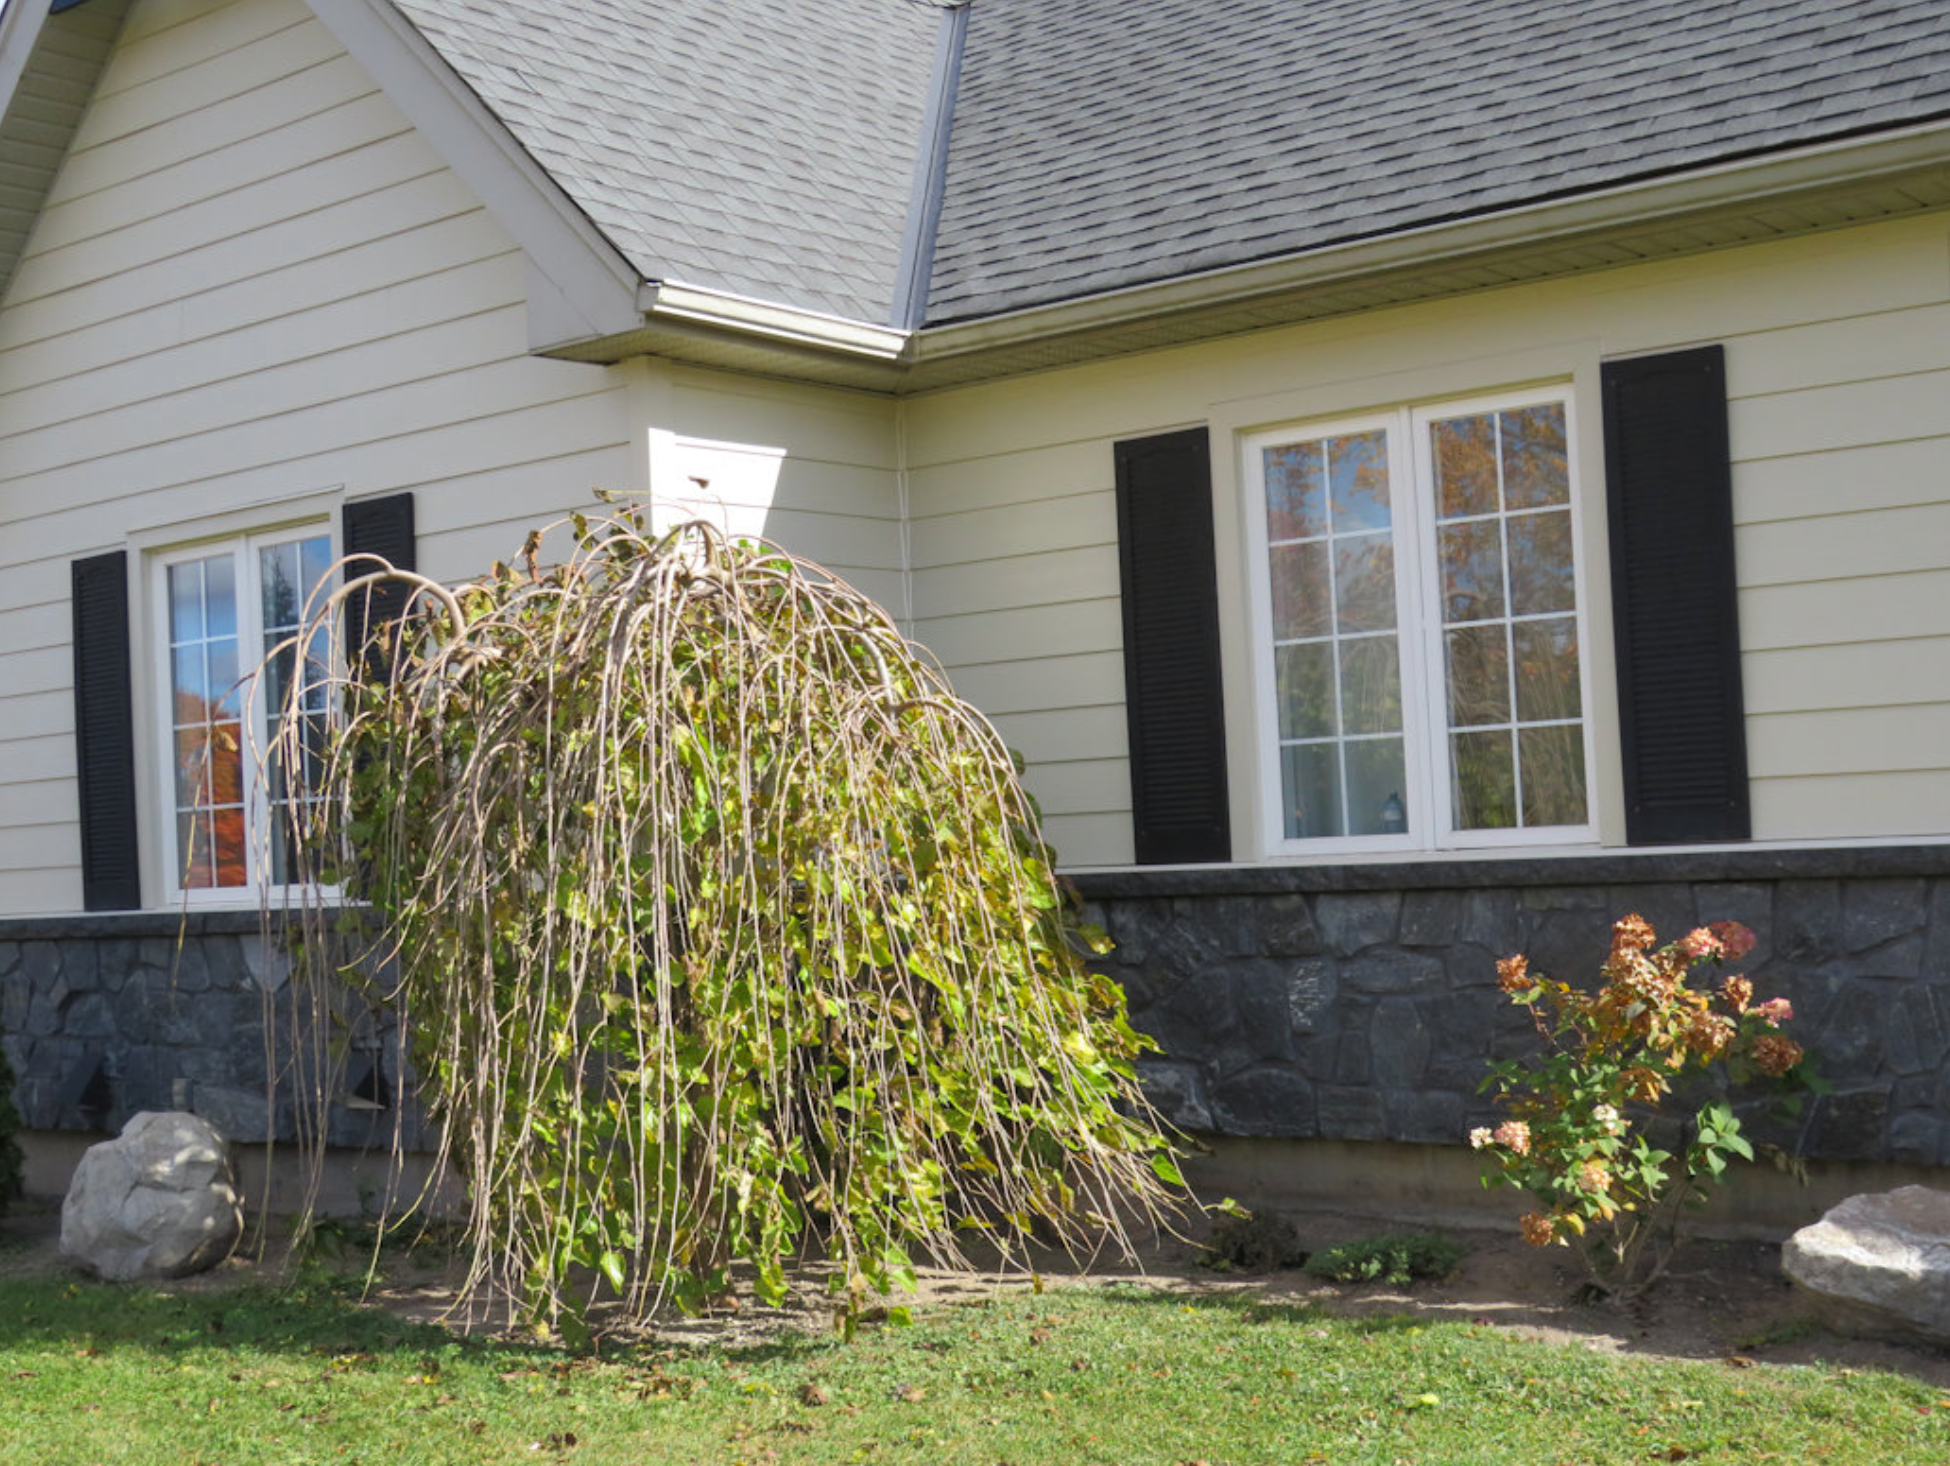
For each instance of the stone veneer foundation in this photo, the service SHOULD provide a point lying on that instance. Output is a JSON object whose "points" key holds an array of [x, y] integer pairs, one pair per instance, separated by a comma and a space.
{"points": [[1342, 1003]]}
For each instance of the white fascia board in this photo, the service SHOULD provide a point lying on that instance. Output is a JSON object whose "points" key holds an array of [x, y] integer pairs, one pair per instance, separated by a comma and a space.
{"points": [[669, 300], [593, 286], [1746, 182]]}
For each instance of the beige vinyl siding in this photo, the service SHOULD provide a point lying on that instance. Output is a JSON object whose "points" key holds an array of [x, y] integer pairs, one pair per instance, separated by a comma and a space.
{"points": [[254, 282], [1838, 350]]}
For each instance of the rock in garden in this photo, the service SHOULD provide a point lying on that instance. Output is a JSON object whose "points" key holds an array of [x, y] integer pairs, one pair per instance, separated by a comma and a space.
{"points": [[159, 1202], [1879, 1264]]}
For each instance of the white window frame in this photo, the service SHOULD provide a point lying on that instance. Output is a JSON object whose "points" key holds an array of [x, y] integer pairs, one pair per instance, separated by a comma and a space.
{"points": [[243, 547], [1419, 632]]}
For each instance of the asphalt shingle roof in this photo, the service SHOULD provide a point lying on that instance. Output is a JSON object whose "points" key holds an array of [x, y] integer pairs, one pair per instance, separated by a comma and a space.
{"points": [[763, 147], [1104, 143]]}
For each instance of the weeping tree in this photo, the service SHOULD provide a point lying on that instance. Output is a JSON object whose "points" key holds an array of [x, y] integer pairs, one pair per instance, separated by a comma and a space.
{"points": [[721, 932]]}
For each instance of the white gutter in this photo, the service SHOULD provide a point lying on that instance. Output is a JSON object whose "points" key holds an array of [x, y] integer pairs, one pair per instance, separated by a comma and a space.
{"points": [[666, 300]]}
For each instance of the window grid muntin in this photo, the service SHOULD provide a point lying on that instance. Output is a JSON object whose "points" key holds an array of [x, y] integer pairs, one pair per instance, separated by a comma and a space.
{"points": [[1503, 516], [1335, 639]]}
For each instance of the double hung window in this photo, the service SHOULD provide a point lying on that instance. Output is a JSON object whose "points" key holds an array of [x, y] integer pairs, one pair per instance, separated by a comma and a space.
{"points": [[219, 610], [1416, 587]]}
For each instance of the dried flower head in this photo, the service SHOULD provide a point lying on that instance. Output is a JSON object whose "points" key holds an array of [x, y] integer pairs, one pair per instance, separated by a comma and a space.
{"points": [[1735, 940], [1513, 973], [1709, 1033], [1514, 1134], [1608, 1119], [1738, 992], [1631, 934], [1537, 1229], [1776, 1010], [1776, 1055], [1700, 942], [1480, 1137], [1594, 1176]]}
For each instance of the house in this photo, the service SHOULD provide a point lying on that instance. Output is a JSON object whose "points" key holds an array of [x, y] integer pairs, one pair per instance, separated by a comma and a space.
{"points": [[1415, 479]]}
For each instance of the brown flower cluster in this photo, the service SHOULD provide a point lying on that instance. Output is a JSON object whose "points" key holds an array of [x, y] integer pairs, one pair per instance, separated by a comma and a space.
{"points": [[1537, 1229], [1738, 992], [1513, 973], [1775, 1055]]}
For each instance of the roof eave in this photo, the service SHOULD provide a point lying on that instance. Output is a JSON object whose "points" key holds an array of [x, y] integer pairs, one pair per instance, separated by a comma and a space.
{"points": [[1096, 324], [1892, 172]]}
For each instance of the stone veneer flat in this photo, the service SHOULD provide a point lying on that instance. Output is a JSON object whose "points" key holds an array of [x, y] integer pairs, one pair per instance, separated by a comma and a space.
{"points": [[1360, 1002]]}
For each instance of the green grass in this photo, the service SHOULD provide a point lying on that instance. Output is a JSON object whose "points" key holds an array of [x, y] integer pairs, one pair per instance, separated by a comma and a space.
{"points": [[91, 1373]]}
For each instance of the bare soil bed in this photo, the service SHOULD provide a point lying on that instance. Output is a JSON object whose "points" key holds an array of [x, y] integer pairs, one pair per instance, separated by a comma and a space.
{"points": [[1724, 1301]]}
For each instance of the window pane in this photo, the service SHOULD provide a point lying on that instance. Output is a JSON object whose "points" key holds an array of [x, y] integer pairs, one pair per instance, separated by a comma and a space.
{"points": [[186, 601], [1296, 499], [1553, 775], [1301, 595], [1540, 563], [1359, 468], [192, 767], [1306, 689], [315, 556], [1483, 782], [1364, 570], [224, 687], [1479, 676], [219, 596], [1465, 466], [1371, 685], [1535, 468], [1376, 804], [1471, 562], [193, 845], [190, 683], [278, 584], [1547, 669], [1312, 784], [227, 828]]}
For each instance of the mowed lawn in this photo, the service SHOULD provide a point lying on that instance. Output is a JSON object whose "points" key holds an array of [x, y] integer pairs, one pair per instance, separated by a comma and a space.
{"points": [[92, 1373]]}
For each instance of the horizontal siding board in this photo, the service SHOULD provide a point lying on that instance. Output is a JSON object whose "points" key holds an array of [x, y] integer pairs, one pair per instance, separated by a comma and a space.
{"points": [[1054, 578], [1843, 806], [1065, 735], [1838, 612], [823, 424], [335, 235], [33, 847], [1025, 631], [1872, 476], [1848, 349], [296, 60], [1845, 546], [1084, 786], [1088, 839], [1070, 522], [1851, 741], [1863, 675], [1842, 415], [243, 370], [1039, 684], [993, 480], [40, 890], [146, 56], [287, 197]]}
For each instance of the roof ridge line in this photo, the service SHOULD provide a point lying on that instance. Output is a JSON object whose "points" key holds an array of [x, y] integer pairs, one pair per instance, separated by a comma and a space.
{"points": [[911, 280]]}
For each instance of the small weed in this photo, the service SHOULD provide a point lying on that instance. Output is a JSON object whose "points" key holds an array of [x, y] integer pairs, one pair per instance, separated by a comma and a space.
{"points": [[1787, 1331], [1256, 1242], [1396, 1257]]}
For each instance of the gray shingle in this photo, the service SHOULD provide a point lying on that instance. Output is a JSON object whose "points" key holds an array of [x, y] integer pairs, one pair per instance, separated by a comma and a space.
{"points": [[762, 148], [1099, 144]]}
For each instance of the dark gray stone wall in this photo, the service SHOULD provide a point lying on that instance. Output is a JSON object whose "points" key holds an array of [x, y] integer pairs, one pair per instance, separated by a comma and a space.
{"points": [[1352, 1003], [1361, 1003], [104, 1016]]}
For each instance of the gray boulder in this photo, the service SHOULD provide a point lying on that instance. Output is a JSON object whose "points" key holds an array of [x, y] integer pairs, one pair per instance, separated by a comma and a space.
{"points": [[1879, 1264], [159, 1202]]}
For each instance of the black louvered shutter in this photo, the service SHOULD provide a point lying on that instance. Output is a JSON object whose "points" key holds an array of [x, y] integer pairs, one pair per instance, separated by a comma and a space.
{"points": [[1172, 683], [1669, 489], [104, 734], [382, 527]]}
